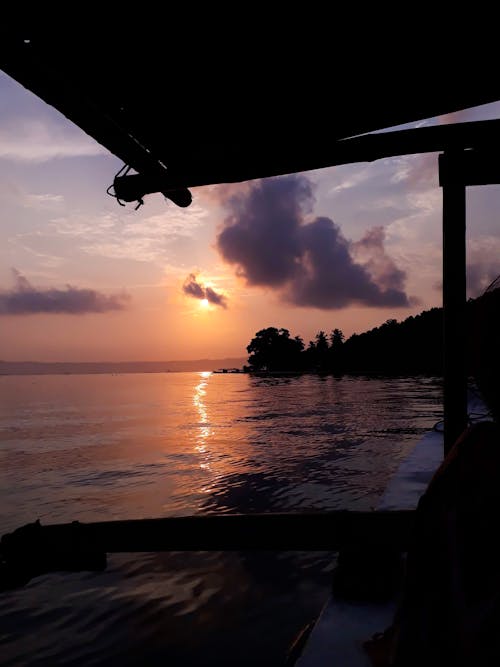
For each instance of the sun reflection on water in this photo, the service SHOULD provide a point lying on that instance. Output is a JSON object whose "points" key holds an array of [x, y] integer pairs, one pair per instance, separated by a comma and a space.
{"points": [[204, 430]]}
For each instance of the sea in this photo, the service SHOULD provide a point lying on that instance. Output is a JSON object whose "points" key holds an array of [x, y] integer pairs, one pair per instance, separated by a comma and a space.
{"points": [[128, 446]]}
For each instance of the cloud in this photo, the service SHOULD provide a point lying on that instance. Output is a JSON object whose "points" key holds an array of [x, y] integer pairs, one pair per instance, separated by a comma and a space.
{"points": [[483, 264], [194, 289], [370, 252], [479, 277], [269, 239], [29, 140], [417, 172], [215, 194], [25, 299], [11, 193], [352, 179], [33, 131], [131, 236], [43, 201]]}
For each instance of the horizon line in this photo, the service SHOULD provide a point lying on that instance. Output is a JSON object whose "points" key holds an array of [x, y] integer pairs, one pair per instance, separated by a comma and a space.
{"points": [[133, 361]]}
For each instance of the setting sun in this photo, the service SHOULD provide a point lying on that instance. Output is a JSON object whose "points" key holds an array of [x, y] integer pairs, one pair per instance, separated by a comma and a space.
{"points": [[204, 303]]}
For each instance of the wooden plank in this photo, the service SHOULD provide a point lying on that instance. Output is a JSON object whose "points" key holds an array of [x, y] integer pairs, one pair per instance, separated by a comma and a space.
{"points": [[479, 167], [299, 156], [315, 531], [34, 549]]}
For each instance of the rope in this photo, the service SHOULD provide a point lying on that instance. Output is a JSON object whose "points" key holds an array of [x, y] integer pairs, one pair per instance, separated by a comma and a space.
{"points": [[124, 170]]}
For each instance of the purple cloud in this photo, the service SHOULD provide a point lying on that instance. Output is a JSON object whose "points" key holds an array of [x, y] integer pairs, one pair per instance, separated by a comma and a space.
{"points": [[25, 299], [193, 288], [267, 237], [371, 252]]}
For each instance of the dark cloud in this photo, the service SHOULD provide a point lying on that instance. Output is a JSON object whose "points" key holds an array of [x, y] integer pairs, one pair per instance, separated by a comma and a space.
{"points": [[266, 236], [261, 234], [217, 299], [24, 299], [193, 288], [370, 251]]}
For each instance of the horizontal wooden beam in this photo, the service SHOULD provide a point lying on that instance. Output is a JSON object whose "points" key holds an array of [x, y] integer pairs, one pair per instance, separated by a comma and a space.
{"points": [[479, 166], [325, 530], [34, 549], [278, 160], [296, 157]]}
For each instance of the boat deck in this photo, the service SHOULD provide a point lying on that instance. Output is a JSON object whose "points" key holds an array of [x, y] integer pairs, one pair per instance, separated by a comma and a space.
{"points": [[337, 637], [342, 627]]}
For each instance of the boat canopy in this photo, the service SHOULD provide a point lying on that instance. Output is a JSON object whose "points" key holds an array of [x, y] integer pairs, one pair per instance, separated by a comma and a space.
{"points": [[185, 106]]}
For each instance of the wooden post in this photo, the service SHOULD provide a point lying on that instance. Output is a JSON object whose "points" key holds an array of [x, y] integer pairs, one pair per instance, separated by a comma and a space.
{"points": [[452, 180]]}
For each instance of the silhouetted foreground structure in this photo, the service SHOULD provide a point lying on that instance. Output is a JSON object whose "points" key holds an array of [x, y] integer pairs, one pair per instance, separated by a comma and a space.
{"points": [[35, 549], [211, 132], [110, 79]]}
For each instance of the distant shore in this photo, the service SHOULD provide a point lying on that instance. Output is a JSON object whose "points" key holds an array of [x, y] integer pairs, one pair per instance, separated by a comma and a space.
{"points": [[95, 367]]}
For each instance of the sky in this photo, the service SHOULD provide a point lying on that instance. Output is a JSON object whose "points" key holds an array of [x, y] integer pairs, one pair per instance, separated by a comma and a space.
{"points": [[83, 279]]}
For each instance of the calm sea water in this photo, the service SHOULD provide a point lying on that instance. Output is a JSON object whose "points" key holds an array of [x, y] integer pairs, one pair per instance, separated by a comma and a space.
{"points": [[97, 447]]}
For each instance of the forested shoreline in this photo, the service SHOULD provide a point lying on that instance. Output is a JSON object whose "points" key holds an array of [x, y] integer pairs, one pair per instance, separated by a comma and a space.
{"points": [[412, 346]]}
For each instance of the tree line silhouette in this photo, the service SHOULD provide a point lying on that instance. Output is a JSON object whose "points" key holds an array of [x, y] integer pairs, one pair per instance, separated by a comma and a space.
{"points": [[412, 346]]}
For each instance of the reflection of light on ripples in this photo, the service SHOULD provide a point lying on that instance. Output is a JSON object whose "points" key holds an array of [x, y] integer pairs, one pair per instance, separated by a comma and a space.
{"points": [[246, 445], [204, 430]]}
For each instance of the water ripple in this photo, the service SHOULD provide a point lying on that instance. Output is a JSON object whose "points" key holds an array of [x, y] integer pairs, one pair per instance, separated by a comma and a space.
{"points": [[102, 447]]}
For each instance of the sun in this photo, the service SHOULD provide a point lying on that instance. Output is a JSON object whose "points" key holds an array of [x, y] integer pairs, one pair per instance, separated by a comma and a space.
{"points": [[204, 303]]}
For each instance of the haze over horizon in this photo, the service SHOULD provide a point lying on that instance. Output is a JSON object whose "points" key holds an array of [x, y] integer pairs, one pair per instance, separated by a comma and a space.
{"points": [[83, 279], [89, 367]]}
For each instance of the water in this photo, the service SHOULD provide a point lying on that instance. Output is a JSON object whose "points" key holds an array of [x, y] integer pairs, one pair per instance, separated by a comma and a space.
{"points": [[97, 447]]}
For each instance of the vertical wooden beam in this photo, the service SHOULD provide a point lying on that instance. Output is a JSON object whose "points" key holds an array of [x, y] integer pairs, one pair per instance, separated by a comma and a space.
{"points": [[451, 179]]}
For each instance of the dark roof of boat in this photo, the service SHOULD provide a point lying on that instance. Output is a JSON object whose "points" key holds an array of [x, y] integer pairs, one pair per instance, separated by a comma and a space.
{"points": [[191, 108]]}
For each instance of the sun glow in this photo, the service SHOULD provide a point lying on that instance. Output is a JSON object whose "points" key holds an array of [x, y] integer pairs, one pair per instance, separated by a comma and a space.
{"points": [[204, 303]]}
